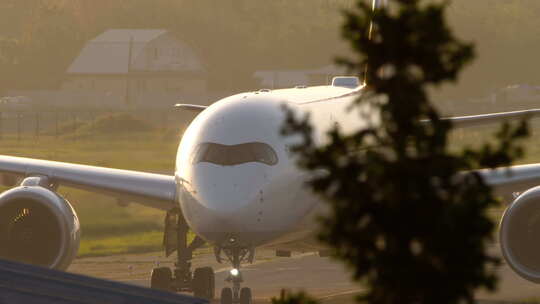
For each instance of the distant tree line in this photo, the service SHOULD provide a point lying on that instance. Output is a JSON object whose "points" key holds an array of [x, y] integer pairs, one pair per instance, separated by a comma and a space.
{"points": [[40, 38]]}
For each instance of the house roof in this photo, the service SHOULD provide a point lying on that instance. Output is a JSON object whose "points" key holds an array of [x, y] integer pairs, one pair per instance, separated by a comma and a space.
{"points": [[108, 53]]}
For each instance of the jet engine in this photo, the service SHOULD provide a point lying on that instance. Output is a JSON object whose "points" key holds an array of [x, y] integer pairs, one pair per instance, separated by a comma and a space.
{"points": [[520, 235], [38, 226]]}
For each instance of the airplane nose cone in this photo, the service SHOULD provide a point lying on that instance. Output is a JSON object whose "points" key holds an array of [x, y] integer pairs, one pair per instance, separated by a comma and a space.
{"points": [[224, 202], [250, 207], [228, 192]]}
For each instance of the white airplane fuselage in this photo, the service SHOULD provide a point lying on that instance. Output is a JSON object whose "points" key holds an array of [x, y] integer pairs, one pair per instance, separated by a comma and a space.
{"points": [[236, 178]]}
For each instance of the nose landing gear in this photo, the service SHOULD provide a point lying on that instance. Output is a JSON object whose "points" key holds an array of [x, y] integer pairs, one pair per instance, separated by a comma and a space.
{"points": [[236, 294], [201, 282]]}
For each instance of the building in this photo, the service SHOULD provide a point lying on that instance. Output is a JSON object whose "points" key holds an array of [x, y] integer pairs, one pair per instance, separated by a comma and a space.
{"points": [[140, 67], [517, 93], [276, 79]]}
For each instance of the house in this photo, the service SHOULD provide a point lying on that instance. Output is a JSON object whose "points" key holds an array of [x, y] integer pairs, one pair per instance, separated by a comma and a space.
{"points": [[275, 79], [517, 93], [135, 67]]}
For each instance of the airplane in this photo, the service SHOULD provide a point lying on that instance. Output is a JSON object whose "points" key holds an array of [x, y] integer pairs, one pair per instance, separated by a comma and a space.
{"points": [[236, 186]]}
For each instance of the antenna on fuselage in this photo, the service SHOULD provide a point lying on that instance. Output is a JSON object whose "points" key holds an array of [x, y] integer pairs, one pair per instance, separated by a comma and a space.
{"points": [[375, 4]]}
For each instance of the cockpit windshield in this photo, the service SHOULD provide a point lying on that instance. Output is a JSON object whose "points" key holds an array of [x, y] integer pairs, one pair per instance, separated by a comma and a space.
{"points": [[226, 155]]}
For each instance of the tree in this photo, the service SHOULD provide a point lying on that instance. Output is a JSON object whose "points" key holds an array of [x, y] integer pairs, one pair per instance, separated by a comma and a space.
{"points": [[408, 215], [293, 298]]}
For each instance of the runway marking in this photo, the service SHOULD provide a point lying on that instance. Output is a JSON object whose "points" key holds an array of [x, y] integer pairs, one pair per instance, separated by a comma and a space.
{"points": [[343, 293], [227, 269], [298, 256]]}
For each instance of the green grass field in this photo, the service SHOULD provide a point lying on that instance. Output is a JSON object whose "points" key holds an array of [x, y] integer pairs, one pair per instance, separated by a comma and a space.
{"points": [[474, 137], [108, 228]]}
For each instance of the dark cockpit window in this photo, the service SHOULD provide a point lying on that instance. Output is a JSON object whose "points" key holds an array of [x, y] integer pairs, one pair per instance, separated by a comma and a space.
{"points": [[225, 155]]}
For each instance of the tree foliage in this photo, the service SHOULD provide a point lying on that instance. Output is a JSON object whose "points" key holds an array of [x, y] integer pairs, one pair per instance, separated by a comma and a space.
{"points": [[407, 215], [287, 297]]}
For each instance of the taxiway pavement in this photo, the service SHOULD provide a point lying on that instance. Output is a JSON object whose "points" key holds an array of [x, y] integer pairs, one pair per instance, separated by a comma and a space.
{"points": [[321, 277]]}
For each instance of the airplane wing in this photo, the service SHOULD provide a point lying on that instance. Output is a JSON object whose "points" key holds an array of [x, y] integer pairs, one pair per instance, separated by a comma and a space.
{"points": [[482, 119], [153, 190], [506, 182], [159, 191], [190, 107], [509, 182]]}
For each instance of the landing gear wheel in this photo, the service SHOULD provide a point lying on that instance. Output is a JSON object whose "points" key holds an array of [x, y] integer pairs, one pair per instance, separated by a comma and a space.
{"points": [[226, 296], [245, 295], [161, 278], [204, 283]]}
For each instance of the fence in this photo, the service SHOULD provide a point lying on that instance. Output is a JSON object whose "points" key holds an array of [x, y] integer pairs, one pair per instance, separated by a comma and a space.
{"points": [[24, 125], [35, 124]]}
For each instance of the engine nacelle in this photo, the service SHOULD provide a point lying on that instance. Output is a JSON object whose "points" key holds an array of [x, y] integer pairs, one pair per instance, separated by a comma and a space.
{"points": [[520, 235], [38, 226]]}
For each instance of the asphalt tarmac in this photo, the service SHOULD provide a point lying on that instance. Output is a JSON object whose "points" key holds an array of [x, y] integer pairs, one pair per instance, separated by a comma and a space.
{"points": [[322, 278]]}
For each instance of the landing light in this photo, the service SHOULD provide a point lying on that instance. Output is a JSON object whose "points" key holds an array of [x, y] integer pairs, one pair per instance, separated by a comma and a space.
{"points": [[234, 272]]}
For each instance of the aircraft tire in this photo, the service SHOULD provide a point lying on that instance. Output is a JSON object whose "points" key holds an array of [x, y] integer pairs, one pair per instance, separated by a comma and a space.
{"points": [[204, 283], [245, 295], [161, 278], [226, 296]]}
